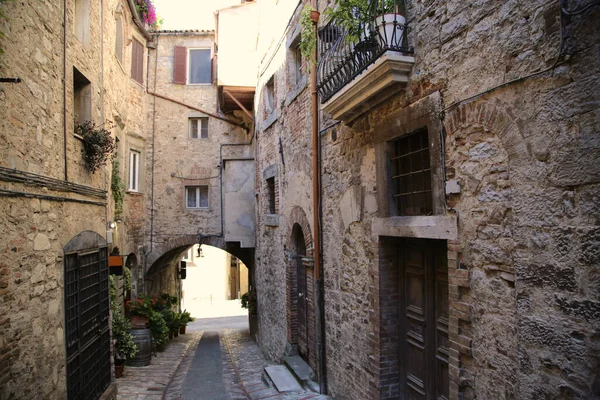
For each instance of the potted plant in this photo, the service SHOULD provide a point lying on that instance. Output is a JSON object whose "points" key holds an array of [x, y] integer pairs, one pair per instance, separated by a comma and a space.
{"points": [[159, 330], [140, 311], [184, 319], [98, 144], [123, 340], [124, 345], [357, 16]]}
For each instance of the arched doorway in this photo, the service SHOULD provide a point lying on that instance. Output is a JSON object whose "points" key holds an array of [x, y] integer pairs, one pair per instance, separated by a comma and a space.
{"points": [[299, 292], [86, 316]]}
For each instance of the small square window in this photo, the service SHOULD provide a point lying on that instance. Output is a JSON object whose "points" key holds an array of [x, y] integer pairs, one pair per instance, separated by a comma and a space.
{"points": [[186, 255], [198, 128], [411, 174], [200, 66], [196, 196], [271, 196], [82, 97], [134, 171], [270, 95]]}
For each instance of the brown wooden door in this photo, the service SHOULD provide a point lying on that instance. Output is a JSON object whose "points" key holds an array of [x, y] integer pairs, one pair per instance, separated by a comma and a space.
{"points": [[424, 320], [302, 310]]}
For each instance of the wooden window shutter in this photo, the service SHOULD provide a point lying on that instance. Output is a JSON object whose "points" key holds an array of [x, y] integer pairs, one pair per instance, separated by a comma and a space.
{"points": [[180, 65], [134, 58], [140, 63]]}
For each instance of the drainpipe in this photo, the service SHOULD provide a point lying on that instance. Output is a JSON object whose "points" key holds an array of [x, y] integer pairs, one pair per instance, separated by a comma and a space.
{"points": [[65, 87], [320, 313]]}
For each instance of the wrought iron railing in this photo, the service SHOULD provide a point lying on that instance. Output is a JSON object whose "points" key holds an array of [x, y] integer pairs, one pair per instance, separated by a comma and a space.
{"points": [[350, 44]]}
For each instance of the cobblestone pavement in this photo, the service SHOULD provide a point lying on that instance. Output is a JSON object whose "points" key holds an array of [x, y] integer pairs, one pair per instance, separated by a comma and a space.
{"points": [[242, 372]]}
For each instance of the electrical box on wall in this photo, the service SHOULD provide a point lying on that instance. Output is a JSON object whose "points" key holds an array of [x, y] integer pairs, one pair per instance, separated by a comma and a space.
{"points": [[453, 186], [109, 239]]}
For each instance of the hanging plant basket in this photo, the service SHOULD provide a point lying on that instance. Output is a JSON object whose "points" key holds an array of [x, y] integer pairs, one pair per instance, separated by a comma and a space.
{"points": [[98, 144]]}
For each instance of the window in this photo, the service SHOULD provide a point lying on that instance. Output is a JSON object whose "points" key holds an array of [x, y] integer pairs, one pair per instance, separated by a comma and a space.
{"points": [[137, 61], [119, 40], [82, 97], [196, 196], [81, 27], [198, 128], [186, 255], [297, 63], [270, 95], [134, 171], [411, 174], [200, 66], [271, 196]]}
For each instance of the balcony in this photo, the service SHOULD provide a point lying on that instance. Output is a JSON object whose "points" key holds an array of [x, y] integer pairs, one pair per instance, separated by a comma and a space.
{"points": [[363, 63]]}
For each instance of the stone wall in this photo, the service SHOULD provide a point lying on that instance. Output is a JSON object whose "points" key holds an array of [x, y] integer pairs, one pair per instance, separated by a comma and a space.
{"points": [[521, 236], [48, 196], [283, 153]]}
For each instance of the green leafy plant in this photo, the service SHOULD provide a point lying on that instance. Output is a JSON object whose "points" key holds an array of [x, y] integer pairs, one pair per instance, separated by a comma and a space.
{"points": [[117, 187], [353, 15], [125, 347], [142, 306], [185, 318], [98, 144], [127, 278], [248, 301], [159, 330], [308, 37]]}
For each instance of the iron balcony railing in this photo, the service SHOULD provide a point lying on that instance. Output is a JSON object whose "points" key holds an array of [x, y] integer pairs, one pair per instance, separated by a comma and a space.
{"points": [[349, 45]]}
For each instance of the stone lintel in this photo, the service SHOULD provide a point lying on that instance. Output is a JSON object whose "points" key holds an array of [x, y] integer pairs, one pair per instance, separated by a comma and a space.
{"points": [[371, 87], [425, 227]]}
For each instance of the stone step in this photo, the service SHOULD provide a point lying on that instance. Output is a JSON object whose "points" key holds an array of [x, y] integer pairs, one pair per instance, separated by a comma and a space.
{"points": [[299, 368], [282, 378]]}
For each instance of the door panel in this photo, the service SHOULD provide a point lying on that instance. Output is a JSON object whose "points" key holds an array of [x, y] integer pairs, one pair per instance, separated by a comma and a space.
{"points": [[86, 314], [423, 319], [302, 314]]}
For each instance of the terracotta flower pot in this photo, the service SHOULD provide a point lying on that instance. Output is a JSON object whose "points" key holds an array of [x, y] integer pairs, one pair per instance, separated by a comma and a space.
{"points": [[139, 322], [314, 16], [182, 329], [119, 368]]}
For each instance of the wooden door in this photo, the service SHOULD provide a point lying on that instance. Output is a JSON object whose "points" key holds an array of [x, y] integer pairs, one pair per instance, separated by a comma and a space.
{"points": [[302, 309], [423, 319]]}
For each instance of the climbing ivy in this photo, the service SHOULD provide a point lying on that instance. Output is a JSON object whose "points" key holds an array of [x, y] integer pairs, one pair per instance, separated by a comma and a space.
{"points": [[117, 188]]}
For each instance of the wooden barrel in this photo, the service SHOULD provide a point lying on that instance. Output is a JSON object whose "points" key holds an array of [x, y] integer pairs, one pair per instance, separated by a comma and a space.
{"points": [[143, 340]]}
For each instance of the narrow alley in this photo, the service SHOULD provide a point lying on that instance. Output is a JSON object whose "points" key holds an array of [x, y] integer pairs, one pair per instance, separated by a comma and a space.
{"points": [[215, 360]]}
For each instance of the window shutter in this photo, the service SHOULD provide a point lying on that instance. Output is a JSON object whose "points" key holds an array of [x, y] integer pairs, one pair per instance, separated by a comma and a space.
{"points": [[180, 65], [134, 58], [140, 63]]}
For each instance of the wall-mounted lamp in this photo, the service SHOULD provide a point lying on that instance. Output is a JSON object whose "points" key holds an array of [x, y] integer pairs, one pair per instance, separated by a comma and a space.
{"points": [[111, 225], [200, 252]]}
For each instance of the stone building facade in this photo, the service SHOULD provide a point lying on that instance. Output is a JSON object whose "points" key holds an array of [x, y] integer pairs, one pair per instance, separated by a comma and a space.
{"points": [[488, 289], [200, 161]]}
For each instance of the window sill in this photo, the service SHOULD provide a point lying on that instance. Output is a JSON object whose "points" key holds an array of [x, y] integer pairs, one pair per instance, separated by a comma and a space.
{"points": [[425, 227], [272, 220], [295, 92], [141, 85], [134, 193], [270, 119], [197, 209]]}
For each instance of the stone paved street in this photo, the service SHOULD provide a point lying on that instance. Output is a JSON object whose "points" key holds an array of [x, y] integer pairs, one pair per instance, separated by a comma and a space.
{"points": [[215, 360]]}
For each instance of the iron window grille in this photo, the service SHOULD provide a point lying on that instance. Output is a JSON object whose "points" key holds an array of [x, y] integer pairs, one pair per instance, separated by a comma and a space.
{"points": [[196, 196], [198, 128], [347, 51], [271, 195], [411, 174]]}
